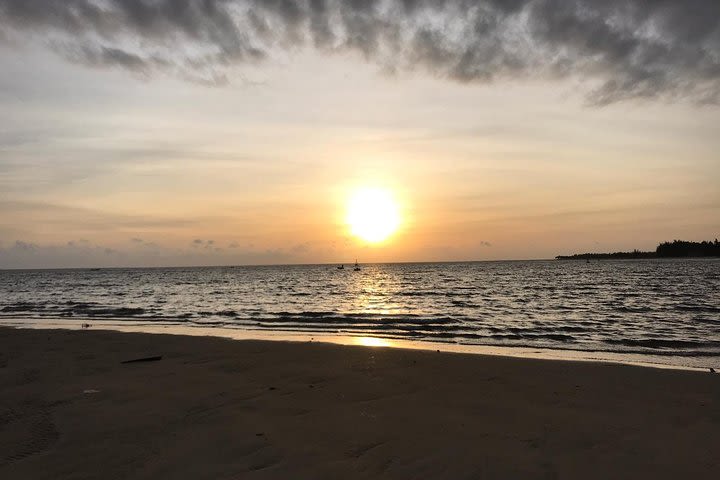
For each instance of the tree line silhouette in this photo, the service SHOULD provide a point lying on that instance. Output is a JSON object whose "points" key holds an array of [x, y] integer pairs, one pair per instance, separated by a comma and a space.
{"points": [[674, 249]]}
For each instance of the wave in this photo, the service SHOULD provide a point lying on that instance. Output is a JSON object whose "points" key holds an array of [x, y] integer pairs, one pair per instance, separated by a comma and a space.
{"points": [[22, 307], [697, 308], [650, 308], [628, 309], [662, 343]]}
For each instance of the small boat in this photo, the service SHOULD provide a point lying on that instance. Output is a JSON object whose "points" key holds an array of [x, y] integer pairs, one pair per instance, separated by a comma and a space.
{"points": [[341, 267], [357, 267]]}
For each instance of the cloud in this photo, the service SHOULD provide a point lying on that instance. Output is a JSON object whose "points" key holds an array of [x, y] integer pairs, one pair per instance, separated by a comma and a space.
{"points": [[618, 49], [106, 57], [61, 216], [25, 254], [24, 246], [82, 254], [145, 244], [206, 244], [301, 248]]}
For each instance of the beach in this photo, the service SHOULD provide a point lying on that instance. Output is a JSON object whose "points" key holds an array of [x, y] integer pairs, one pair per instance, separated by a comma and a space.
{"points": [[224, 409]]}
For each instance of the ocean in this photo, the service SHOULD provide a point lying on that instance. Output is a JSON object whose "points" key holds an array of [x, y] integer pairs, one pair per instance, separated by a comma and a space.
{"points": [[667, 311]]}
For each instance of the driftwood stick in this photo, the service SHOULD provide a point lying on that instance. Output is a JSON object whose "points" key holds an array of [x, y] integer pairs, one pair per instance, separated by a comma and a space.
{"points": [[144, 359]]}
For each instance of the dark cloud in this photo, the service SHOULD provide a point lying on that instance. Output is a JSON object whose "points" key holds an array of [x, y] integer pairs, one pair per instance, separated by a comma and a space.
{"points": [[619, 49]]}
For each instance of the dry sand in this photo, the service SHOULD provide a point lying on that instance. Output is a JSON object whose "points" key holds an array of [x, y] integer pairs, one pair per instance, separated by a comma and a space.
{"points": [[223, 409]]}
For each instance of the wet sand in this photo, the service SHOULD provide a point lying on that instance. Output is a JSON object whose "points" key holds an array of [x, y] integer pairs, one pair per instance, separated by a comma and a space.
{"points": [[222, 409]]}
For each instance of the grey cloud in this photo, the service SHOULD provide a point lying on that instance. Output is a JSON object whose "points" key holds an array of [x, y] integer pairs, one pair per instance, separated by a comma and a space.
{"points": [[22, 254], [206, 244], [100, 57], [25, 254], [618, 49], [24, 246]]}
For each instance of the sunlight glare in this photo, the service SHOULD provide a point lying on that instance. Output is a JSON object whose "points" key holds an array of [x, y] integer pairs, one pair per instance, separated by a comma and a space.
{"points": [[373, 214], [373, 342]]}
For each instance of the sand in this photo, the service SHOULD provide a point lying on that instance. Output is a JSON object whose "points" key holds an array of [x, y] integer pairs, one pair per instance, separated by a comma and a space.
{"points": [[222, 409]]}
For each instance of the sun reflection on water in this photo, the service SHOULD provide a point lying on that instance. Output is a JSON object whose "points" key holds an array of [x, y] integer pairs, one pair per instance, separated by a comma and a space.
{"points": [[374, 294], [372, 342]]}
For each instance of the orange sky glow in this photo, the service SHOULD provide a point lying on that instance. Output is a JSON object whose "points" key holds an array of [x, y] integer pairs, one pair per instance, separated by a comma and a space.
{"points": [[113, 164]]}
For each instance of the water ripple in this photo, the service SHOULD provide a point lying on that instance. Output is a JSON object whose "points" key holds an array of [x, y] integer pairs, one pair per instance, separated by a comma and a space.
{"points": [[666, 307]]}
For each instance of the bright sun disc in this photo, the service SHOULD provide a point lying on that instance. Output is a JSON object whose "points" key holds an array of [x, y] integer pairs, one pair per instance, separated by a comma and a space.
{"points": [[372, 214]]}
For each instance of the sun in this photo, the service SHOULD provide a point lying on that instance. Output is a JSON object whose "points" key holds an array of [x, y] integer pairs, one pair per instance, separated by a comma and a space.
{"points": [[372, 214]]}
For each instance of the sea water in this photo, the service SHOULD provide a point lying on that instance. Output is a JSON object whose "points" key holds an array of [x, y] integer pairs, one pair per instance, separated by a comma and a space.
{"points": [[667, 309]]}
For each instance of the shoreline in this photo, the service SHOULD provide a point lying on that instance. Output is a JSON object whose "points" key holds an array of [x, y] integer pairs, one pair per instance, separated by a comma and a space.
{"points": [[214, 408], [241, 334]]}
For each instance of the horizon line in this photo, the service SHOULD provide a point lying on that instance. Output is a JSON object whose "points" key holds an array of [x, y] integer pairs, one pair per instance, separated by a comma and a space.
{"points": [[330, 264]]}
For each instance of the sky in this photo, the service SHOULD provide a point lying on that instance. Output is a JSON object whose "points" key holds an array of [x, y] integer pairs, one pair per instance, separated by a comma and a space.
{"points": [[221, 132]]}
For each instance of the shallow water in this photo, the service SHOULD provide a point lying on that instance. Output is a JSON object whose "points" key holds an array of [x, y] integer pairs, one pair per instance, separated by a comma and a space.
{"points": [[663, 308]]}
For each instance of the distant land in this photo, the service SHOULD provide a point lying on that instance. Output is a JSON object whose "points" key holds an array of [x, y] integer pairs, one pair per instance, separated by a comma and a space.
{"points": [[674, 249]]}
